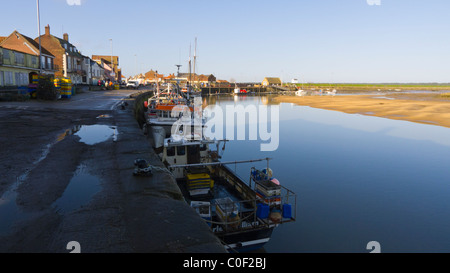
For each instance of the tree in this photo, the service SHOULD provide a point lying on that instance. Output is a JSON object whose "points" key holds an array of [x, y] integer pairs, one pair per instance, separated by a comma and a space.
{"points": [[46, 88]]}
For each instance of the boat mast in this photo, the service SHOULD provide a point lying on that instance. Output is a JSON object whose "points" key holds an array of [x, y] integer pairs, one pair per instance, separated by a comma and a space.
{"points": [[157, 83], [190, 76], [195, 55]]}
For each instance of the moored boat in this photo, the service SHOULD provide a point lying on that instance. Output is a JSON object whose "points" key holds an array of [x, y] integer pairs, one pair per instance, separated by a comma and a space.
{"points": [[167, 108], [241, 214]]}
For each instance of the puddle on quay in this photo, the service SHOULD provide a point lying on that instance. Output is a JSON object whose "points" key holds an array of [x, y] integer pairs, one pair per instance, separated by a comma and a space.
{"points": [[82, 187], [91, 134], [94, 134], [9, 210]]}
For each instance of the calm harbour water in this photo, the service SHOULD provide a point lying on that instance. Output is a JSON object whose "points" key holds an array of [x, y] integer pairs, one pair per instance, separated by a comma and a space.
{"points": [[358, 179]]}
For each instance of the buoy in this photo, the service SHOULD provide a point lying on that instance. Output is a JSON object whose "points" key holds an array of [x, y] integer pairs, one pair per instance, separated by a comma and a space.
{"points": [[275, 216], [275, 181]]}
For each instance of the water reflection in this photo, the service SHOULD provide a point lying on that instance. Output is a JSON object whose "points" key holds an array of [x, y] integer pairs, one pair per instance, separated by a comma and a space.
{"points": [[91, 134], [9, 210], [80, 190], [358, 179]]}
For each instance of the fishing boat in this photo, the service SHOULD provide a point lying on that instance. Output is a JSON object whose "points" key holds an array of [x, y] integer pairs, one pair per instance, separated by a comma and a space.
{"points": [[300, 92], [165, 109], [242, 214], [171, 105], [162, 111], [332, 92]]}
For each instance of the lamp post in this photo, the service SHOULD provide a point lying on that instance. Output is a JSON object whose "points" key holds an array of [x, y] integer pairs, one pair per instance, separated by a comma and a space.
{"points": [[135, 64], [112, 64], [39, 35], [157, 83]]}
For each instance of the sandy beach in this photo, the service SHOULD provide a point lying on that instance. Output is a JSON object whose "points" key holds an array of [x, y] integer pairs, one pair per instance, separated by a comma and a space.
{"points": [[427, 108]]}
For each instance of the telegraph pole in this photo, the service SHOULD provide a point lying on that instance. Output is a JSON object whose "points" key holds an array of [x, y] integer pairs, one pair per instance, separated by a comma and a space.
{"points": [[39, 35]]}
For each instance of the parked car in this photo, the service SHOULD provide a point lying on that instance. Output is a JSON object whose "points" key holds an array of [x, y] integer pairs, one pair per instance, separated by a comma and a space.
{"points": [[133, 84]]}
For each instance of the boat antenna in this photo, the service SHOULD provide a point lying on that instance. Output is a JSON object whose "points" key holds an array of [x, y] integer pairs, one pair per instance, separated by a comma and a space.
{"points": [[178, 72], [178, 78]]}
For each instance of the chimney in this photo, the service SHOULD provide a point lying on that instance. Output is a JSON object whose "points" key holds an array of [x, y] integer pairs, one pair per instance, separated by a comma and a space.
{"points": [[66, 37], [47, 30]]}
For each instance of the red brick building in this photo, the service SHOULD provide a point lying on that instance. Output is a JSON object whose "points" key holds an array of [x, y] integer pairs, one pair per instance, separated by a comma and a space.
{"points": [[67, 57]]}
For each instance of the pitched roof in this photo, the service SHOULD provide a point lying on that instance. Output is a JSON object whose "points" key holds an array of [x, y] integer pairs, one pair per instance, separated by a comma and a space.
{"points": [[273, 80], [69, 45], [28, 46]]}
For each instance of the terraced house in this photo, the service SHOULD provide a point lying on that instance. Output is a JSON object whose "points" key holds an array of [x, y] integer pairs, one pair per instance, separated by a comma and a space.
{"points": [[19, 60], [67, 57]]}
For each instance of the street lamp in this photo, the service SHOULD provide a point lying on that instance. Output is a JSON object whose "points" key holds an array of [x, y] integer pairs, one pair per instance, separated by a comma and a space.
{"points": [[135, 64], [112, 64]]}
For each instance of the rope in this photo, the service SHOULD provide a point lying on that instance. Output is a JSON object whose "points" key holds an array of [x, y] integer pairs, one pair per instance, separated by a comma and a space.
{"points": [[152, 169], [160, 169]]}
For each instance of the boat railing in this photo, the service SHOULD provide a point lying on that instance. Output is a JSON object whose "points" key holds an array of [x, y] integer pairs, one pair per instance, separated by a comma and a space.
{"points": [[250, 216]]}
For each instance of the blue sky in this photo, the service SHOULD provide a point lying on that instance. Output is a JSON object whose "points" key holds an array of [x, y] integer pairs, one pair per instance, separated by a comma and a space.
{"points": [[247, 40]]}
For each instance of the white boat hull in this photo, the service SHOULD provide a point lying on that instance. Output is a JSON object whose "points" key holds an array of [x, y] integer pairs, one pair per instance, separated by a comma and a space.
{"points": [[159, 134]]}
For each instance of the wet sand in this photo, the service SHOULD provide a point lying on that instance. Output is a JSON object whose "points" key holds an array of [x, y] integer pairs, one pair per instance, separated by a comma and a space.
{"points": [[427, 108]]}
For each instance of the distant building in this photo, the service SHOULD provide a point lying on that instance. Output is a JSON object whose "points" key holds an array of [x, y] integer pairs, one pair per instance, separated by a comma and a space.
{"points": [[294, 81], [116, 71], [195, 78], [170, 78], [96, 72], [19, 60], [153, 76], [271, 81]]}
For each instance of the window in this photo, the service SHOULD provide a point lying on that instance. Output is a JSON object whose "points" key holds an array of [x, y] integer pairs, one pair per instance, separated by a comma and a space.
{"points": [[171, 151], [6, 54], [21, 79], [1, 78], [19, 58], [181, 150], [8, 78], [34, 60]]}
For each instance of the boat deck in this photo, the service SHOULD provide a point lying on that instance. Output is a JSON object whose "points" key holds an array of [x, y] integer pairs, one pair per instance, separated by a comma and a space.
{"points": [[220, 190]]}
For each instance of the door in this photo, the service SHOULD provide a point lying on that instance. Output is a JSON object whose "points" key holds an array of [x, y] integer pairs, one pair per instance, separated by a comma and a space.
{"points": [[193, 155]]}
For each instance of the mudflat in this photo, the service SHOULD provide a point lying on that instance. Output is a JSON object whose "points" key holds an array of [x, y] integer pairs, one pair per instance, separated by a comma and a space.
{"points": [[427, 108]]}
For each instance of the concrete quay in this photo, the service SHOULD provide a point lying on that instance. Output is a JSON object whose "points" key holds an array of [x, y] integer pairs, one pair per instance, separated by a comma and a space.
{"points": [[46, 155]]}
